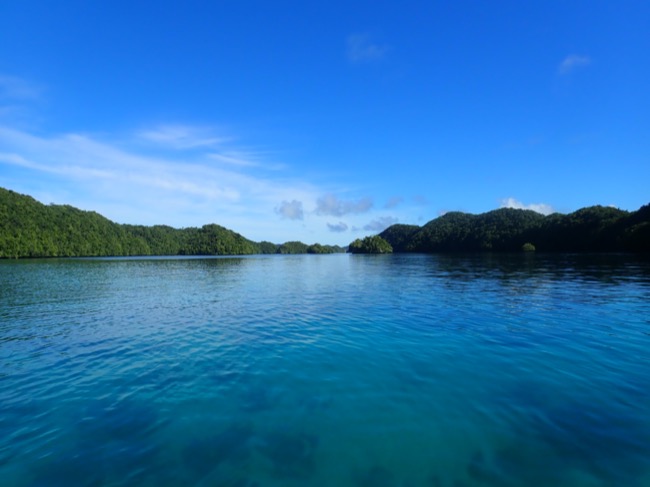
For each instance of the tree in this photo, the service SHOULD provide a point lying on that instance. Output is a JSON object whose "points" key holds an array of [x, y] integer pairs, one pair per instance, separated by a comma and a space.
{"points": [[266, 247], [293, 247], [370, 245], [399, 236]]}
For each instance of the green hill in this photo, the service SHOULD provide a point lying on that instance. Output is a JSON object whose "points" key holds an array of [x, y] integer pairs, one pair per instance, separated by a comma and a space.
{"points": [[592, 229], [29, 228]]}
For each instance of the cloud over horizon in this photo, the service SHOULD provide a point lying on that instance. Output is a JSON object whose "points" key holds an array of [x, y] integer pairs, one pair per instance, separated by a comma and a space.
{"points": [[129, 184], [337, 227], [330, 205], [542, 208], [291, 210], [380, 224], [188, 177]]}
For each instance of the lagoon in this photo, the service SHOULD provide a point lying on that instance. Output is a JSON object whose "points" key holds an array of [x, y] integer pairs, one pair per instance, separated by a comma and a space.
{"points": [[332, 370]]}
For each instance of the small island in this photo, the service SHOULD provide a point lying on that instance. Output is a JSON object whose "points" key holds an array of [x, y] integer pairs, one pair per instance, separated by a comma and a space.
{"points": [[370, 245]]}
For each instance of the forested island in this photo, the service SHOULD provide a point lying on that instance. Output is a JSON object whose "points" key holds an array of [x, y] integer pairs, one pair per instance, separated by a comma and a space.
{"points": [[29, 228], [592, 229]]}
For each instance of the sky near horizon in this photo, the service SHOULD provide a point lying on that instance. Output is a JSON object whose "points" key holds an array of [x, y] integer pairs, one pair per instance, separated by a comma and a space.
{"points": [[324, 121]]}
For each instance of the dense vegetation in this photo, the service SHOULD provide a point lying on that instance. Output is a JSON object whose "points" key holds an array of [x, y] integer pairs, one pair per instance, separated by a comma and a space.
{"points": [[370, 245], [592, 229], [31, 229]]}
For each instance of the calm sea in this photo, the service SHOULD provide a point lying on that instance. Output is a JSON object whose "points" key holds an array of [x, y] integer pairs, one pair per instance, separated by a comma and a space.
{"points": [[336, 370]]}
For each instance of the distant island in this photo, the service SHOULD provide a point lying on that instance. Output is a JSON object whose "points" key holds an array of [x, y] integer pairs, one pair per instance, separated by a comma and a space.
{"points": [[29, 228], [592, 229]]}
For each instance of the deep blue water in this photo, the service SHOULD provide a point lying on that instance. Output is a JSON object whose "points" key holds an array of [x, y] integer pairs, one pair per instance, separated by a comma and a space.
{"points": [[336, 370]]}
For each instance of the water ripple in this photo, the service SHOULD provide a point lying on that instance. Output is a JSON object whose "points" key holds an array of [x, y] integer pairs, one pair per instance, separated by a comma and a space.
{"points": [[418, 370]]}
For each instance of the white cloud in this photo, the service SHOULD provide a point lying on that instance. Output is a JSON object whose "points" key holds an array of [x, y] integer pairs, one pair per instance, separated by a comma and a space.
{"points": [[542, 208], [360, 48], [182, 136], [128, 185], [234, 159], [131, 182], [291, 210], [573, 62], [245, 159], [337, 227], [331, 205], [380, 224], [82, 158]]}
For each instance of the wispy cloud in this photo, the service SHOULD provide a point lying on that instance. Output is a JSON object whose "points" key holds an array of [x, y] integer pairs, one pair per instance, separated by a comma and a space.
{"points": [[291, 210], [81, 157], [573, 62], [333, 206], [244, 159], [234, 159], [361, 48], [380, 224], [131, 182], [339, 227], [393, 202], [542, 208], [131, 186], [182, 136], [15, 88]]}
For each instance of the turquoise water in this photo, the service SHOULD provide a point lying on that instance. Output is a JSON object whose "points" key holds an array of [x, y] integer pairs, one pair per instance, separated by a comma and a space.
{"points": [[336, 370]]}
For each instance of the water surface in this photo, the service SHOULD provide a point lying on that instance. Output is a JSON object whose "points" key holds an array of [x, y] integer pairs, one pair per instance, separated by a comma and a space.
{"points": [[402, 370]]}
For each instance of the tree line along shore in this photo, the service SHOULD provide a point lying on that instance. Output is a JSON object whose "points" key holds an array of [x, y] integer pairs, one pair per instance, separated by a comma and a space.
{"points": [[29, 228], [591, 229]]}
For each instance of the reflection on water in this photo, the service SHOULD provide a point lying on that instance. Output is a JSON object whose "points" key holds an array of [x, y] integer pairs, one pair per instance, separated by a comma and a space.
{"points": [[402, 370]]}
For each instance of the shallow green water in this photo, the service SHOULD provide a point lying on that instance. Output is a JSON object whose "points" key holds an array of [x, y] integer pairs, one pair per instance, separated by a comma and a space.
{"points": [[411, 370]]}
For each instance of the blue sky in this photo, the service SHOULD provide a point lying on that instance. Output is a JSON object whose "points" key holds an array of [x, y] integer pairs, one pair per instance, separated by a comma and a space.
{"points": [[324, 121]]}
